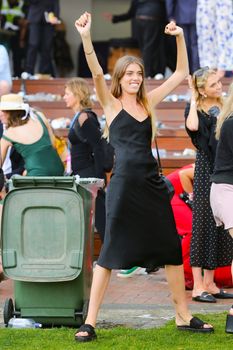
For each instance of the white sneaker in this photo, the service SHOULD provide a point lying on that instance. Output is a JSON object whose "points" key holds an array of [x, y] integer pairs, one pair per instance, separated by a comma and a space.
{"points": [[159, 76], [133, 271]]}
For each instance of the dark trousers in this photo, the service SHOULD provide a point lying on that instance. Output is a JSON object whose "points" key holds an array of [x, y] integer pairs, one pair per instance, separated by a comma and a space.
{"points": [[18, 55], [150, 40], [40, 40], [190, 35]]}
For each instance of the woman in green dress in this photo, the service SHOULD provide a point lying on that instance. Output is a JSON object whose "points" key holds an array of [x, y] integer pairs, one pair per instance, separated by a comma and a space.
{"points": [[31, 135]]}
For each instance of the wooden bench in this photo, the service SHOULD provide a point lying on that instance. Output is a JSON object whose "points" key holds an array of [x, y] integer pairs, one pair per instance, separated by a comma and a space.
{"points": [[57, 85], [166, 112]]}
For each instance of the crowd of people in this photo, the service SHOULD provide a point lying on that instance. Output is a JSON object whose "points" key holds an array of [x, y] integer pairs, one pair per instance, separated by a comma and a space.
{"points": [[136, 192], [207, 26], [31, 32]]}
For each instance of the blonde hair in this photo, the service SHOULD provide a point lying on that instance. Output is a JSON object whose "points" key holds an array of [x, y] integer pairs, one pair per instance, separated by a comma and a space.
{"points": [[119, 71], [80, 89], [226, 111], [199, 79]]}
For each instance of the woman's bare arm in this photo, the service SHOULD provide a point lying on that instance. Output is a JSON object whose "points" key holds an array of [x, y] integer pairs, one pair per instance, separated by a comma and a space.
{"points": [[83, 26], [192, 121], [186, 178], [182, 69]]}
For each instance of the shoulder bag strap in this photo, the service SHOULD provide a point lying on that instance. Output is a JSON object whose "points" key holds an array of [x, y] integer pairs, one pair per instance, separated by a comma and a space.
{"points": [[158, 158]]}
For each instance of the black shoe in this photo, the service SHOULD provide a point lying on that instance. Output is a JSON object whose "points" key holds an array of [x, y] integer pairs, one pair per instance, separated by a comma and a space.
{"points": [[205, 297], [223, 295], [91, 335], [152, 269]]}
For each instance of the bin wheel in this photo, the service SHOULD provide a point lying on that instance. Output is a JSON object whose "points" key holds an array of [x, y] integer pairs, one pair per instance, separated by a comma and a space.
{"points": [[8, 311], [85, 309]]}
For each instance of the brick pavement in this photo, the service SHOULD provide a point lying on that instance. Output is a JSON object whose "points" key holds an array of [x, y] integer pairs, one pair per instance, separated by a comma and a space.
{"points": [[141, 301]]}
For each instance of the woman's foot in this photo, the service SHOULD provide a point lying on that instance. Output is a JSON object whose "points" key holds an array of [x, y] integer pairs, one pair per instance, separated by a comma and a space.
{"points": [[218, 293], [211, 288], [85, 333], [195, 325], [202, 295]]}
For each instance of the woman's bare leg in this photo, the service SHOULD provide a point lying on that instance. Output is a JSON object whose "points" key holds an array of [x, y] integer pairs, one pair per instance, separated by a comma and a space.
{"points": [[209, 283], [101, 277], [198, 285], [175, 278]]}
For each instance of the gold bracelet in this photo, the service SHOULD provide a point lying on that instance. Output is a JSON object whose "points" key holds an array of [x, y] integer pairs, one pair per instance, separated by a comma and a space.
{"points": [[89, 53]]}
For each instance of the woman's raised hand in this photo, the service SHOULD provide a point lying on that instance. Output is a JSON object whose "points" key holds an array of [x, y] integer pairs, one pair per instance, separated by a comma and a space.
{"points": [[83, 24], [172, 29]]}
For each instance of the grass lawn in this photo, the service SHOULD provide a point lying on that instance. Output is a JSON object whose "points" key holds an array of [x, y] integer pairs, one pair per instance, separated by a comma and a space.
{"points": [[164, 338]]}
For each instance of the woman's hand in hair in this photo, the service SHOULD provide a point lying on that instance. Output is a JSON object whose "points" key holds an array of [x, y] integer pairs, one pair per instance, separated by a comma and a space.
{"points": [[83, 24], [172, 29], [192, 88]]}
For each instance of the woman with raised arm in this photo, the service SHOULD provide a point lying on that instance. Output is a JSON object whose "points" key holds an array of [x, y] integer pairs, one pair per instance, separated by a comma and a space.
{"points": [[140, 227], [210, 247]]}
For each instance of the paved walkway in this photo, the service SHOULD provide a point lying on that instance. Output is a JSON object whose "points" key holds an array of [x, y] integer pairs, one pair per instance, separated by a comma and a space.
{"points": [[141, 301]]}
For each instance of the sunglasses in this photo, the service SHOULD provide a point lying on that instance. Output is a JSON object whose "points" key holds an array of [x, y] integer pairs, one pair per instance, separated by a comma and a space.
{"points": [[200, 72]]}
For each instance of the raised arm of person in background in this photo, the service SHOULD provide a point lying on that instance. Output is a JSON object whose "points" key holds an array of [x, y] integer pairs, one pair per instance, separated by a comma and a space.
{"points": [[182, 68], [192, 121]]}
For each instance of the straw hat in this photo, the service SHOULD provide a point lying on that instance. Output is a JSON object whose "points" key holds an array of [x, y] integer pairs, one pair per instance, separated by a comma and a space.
{"points": [[12, 102]]}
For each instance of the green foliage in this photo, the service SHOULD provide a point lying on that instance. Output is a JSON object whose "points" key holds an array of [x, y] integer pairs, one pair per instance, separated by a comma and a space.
{"points": [[164, 338]]}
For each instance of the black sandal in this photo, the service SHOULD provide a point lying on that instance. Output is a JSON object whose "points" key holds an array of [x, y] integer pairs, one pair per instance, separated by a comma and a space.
{"points": [[91, 335], [229, 323], [196, 325]]}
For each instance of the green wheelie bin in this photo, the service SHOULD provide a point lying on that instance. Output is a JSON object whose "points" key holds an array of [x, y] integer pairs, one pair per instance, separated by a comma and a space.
{"points": [[47, 248]]}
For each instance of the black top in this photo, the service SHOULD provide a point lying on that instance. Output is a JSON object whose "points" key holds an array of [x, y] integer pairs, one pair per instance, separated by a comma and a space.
{"points": [[86, 150], [204, 138], [223, 171], [140, 226]]}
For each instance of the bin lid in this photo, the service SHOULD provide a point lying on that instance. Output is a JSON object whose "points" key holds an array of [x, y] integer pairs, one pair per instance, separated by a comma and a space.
{"points": [[42, 234]]}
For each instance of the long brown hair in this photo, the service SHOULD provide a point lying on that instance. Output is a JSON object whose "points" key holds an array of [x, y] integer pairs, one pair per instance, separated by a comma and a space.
{"points": [[80, 89], [118, 72], [15, 118], [226, 111]]}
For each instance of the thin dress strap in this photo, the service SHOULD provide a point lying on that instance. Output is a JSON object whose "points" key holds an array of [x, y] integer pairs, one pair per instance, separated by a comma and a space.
{"points": [[121, 104], [7, 139]]}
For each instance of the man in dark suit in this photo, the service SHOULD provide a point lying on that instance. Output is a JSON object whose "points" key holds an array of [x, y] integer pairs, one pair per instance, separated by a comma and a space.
{"points": [[183, 12], [149, 19], [41, 32]]}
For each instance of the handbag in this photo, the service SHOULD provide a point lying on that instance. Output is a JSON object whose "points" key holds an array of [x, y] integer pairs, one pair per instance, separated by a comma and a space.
{"points": [[169, 185]]}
